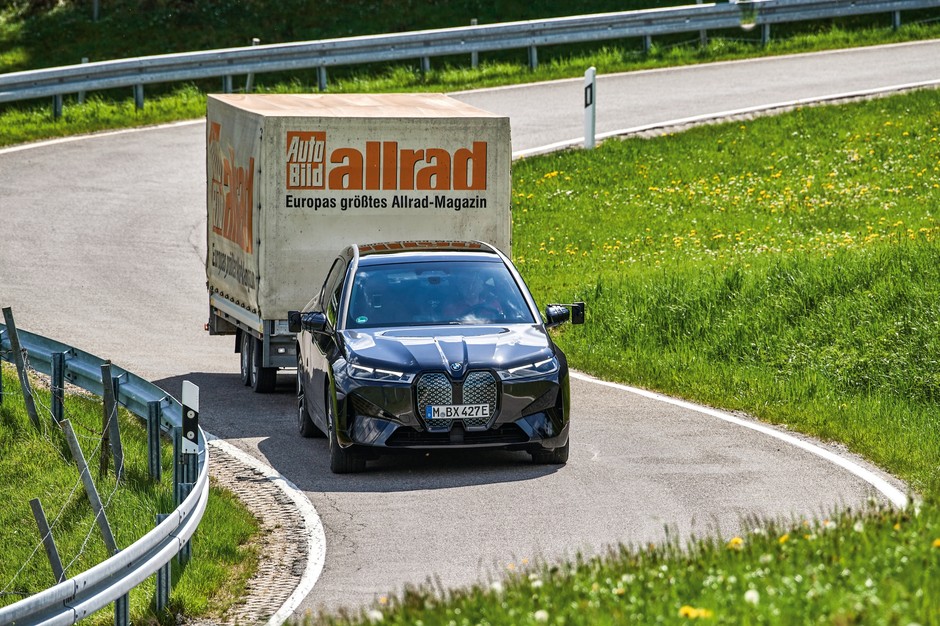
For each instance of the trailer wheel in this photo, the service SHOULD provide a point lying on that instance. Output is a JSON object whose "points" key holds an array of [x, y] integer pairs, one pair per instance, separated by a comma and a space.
{"points": [[262, 378], [247, 344]]}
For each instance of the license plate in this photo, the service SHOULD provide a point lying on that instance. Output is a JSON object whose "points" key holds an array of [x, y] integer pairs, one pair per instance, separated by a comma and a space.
{"points": [[456, 411]]}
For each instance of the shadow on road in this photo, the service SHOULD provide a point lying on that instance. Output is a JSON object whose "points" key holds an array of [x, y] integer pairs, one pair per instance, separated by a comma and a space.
{"points": [[229, 410]]}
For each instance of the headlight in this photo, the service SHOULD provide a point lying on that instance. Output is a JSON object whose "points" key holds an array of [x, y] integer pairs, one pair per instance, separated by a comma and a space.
{"points": [[375, 374], [541, 368]]}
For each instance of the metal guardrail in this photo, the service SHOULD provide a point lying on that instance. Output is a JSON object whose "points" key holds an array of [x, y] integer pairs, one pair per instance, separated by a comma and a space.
{"points": [[95, 588], [426, 44]]}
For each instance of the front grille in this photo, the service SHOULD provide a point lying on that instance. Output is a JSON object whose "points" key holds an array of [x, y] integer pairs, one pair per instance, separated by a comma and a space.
{"points": [[479, 388], [437, 389], [434, 389]]}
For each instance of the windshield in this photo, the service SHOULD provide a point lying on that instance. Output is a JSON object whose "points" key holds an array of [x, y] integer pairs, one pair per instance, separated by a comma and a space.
{"points": [[436, 292]]}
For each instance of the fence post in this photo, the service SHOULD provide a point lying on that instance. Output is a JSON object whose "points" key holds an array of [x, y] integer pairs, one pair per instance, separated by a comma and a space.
{"points": [[250, 79], [109, 386], [58, 386], [21, 367], [101, 517], [533, 58], [474, 56], [154, 459], [590, 108], [47, 540]]}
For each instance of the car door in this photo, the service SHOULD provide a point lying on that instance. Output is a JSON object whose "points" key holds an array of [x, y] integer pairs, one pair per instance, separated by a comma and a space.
{"points": [[323, 347]]}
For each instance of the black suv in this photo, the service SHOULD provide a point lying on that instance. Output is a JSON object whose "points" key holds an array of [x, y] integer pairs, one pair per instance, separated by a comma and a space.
{"points": [[430, 345]]}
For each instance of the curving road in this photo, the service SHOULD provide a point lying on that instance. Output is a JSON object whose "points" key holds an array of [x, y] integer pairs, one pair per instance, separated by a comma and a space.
{"points": [[103, 247]]}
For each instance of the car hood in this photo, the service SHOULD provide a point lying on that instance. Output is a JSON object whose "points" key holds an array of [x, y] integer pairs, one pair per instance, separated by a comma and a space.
{"points": [[452, 349]]}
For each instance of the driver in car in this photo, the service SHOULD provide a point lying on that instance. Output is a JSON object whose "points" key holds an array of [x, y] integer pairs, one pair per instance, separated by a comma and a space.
{"points": [[475, 300]]}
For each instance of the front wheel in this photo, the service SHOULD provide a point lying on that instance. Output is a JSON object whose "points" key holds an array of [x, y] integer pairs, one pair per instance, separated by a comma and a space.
{"points": [[306, 426], [342, 460], [557, 456]]}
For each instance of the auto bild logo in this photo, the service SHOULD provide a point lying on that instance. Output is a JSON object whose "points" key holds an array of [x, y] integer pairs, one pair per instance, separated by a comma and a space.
{"points": [[231, 189], [314, 164]]}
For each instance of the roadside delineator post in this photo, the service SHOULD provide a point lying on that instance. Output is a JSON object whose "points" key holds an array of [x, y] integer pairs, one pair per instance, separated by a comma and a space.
{"points": [[590, 109]]}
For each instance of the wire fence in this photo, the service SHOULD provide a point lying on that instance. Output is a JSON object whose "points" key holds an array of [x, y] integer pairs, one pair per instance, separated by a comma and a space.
{"points": [[93, 586]]}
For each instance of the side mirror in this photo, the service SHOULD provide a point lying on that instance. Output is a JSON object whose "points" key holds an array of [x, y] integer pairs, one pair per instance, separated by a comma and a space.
{"points": [[557, 314], [313, 322]]}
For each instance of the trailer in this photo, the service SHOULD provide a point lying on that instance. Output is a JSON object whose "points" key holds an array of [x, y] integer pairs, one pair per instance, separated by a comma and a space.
{"points": [[292, 178]]}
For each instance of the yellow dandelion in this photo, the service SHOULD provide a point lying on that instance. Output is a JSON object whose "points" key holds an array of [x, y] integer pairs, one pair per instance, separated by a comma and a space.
{"points": [[784, 538], [936, 543], [736, 543]]}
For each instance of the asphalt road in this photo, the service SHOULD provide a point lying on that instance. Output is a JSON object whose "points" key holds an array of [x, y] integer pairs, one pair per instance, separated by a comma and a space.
{"points": [[103, 247]]}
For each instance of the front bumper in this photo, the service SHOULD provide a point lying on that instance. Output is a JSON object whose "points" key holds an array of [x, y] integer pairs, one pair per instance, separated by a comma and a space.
{"points": [[528, 415]]}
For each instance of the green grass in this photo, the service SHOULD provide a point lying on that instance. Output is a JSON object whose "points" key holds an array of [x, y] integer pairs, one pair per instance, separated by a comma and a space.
{"points": [[64, 35], [37, 464], [788, 267]]}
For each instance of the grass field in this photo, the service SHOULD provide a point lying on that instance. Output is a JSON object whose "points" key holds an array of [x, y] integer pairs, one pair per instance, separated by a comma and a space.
{"points": [[788, 267], [37, 464]]}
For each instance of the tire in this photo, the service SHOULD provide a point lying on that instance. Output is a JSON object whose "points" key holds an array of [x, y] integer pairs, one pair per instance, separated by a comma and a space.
{"points": [[263, 379], [342, 460], [247, 343], [306, 427], [557, 456]]}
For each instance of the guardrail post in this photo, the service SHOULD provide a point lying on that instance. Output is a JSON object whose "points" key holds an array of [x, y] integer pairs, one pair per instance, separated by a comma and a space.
{"points": [[164, 580], [647, 43], [474, 56], [533, 58], [702, 34], [227, 84], [48, 541], [122, 614], [250, 78], [154, 458], [321, 78], [590, 108], [81, 94], [101, 517], [21, 367], [896, 20], [139, 97], [57, 106], [764, 34], [58, 386], [425, 65]]}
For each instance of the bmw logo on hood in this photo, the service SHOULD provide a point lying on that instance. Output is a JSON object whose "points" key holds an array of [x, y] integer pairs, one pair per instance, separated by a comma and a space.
{"points": [[456, 367]]}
